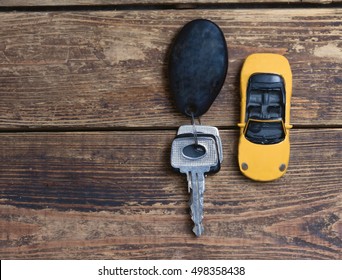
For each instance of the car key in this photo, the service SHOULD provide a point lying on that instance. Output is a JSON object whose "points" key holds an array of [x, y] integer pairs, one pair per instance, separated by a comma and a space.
{"points": [[195, 160], [204, 129], [197, 68]]}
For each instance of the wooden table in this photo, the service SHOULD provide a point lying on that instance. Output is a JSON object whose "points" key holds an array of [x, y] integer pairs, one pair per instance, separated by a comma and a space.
{"points": [[87, 121]]}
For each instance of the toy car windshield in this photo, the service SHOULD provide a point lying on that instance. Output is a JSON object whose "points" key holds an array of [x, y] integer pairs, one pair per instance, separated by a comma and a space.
{"points": [[265, 132]]}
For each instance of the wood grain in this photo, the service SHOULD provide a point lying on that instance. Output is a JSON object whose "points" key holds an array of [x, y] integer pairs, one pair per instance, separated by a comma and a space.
{"points": [[32, 3], [113, 195], [93, 70]]}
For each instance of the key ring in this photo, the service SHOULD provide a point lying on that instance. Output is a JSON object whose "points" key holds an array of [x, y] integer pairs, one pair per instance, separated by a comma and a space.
{"points": [[194, 127]]}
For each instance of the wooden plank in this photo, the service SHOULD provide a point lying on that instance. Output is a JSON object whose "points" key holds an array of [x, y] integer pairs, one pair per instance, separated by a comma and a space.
{"points": [[113, 195], [108, 69], [30, 3], [182, 3]]}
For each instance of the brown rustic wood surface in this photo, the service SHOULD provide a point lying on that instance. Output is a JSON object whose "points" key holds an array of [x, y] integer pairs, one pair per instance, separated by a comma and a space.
{"points": [[108, 69], [86, 124], [18, 3], [112, 195]]}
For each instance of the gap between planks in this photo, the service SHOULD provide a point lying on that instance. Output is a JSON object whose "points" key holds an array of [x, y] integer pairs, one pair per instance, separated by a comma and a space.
{"points": [[147, 129], [134, 6]]}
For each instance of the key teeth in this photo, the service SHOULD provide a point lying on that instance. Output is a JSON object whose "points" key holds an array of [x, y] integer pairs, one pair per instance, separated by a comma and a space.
{"points": [[196, 216], [198, 230]]}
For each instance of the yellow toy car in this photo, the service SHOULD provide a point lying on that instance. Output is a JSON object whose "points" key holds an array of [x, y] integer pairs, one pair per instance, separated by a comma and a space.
{"points": [[266, 89]]}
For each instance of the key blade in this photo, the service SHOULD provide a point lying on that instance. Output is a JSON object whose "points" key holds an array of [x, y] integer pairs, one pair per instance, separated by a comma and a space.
{"points": [[198, 230], [197, 202], [188, 177]]}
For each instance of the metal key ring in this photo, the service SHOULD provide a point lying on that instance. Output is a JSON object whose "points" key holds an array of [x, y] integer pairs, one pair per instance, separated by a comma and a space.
{"points": [[194, 127]]}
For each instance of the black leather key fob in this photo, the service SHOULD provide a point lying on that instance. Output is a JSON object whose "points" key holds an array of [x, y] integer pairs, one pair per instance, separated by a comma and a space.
{"points": [[198, 66]]}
